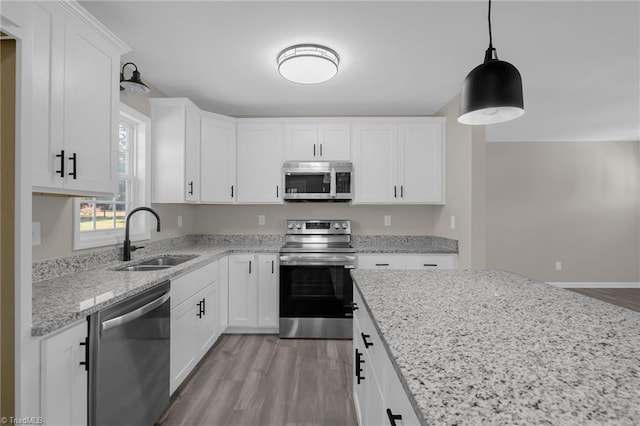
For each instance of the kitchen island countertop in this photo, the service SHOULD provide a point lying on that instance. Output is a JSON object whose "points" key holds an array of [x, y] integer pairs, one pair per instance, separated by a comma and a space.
{"points": [[491, 347]]}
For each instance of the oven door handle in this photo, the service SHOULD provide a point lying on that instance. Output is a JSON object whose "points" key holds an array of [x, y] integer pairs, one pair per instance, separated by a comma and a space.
{"points": [[292, 260], [332, 186]]}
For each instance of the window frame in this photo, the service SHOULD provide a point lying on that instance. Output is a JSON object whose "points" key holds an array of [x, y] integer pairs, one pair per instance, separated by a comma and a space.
{"points": [[139, 228]]}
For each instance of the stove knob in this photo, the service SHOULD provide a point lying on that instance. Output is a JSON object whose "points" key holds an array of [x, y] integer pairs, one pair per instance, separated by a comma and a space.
{"points": [[290, 226], [344, 225], [336, 225], [298, 226]]}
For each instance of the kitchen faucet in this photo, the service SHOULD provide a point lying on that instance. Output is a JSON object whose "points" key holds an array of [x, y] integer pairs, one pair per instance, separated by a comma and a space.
{"points": [[128, 248]]}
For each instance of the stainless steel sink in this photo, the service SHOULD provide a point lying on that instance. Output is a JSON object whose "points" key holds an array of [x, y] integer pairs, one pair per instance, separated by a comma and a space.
{"points": [[169, 260], [137, 268], [158, 263]]}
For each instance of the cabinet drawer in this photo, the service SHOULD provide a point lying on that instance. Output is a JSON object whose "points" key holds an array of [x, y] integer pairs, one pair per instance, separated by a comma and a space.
{"points": [[207, 274], [430, 261], [380, 261], [183, 287]]}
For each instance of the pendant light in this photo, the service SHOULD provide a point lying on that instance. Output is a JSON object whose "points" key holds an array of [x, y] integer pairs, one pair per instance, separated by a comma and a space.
{"points": [[492, 91], [134, 84]]}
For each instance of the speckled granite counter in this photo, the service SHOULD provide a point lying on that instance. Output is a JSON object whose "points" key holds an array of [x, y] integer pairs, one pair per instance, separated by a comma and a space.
{"points": [[65, 299], [424, 244], [489, 347]]}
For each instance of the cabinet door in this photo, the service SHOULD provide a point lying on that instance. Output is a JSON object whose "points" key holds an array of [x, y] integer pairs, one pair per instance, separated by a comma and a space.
{"points": [[243, 291], [268, 291], [223, 293], [206, 304], [260, 163], [395, 397], [47, 77], [359, 373], [218, 161], [91, 99], [374, 163], [301, 142], [192, 155], [334, 142], [420, 163], [183, 338], [64, 380]]}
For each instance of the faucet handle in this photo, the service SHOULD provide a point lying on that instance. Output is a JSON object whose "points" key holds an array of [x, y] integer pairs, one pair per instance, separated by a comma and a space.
{"points": [[134, 248]]}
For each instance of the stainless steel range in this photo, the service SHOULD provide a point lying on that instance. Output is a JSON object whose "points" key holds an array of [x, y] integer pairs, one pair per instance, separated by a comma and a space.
{"points": [[316, 290]]}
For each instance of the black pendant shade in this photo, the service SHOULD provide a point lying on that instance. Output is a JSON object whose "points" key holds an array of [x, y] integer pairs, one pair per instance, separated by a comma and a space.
{"points": [[492, 91], [134, 84]]}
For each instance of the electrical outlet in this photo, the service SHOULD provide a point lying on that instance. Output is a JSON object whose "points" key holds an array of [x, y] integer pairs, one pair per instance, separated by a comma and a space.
{"points": [[558, 266], [179, 221], [387, 220], [35, 234], [452, 222], [261, 220]]}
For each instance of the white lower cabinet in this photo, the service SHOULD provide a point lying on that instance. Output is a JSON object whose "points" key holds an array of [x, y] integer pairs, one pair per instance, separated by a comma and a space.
{"points": [[64, 378], [253, 292], [408, 261], [378, 395], [195, 320], [223, 289]]}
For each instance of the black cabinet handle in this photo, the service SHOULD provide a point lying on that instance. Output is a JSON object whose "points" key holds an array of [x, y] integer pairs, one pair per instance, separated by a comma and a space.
{"points": [[320, 150], [395, 191], [358, 363], [277, 191], [62, 161], [199, 314], [314, 149], [204, 307], [430, 264], [364, 340], [231, 191], [249, 266], [73, 158], [86, 354], [393, 417], [272, 266], [401, 191], [354, 306], [382, 264], [191, 188]]}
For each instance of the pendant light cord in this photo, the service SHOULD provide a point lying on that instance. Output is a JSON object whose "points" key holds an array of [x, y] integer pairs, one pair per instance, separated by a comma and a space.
{"points": [[491, 52]]}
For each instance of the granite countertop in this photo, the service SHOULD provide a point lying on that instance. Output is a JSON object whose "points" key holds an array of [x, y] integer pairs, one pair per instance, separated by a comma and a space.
{"points": [[491, 347], [67, 290]]}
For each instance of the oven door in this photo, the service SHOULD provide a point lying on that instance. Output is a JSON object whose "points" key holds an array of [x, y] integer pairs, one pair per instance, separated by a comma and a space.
{"points": [[315, 291]]}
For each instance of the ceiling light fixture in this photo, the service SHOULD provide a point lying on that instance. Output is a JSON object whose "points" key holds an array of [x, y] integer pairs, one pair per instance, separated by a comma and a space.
{"points": [[492, 92], [134, 84], [308, 63]]}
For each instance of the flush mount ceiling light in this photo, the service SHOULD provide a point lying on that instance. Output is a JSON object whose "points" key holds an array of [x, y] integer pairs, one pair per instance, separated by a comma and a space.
{"points": [[492, 92], [308, 63], [134, 84]]}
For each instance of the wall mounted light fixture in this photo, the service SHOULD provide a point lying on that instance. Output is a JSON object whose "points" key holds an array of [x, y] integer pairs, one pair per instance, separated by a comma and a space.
{"points": [[134, 84], [492, 91], [308, 63]]}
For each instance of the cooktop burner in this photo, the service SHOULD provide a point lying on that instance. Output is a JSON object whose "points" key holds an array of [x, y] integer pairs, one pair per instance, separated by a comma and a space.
{"points": [[318, 236]]}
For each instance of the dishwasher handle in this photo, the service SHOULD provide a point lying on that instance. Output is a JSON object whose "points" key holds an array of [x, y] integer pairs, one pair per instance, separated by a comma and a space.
{"points": [[130, 316]]}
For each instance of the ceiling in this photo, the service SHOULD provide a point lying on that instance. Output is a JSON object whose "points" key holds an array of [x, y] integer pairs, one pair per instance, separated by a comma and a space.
{"points": [[580, 61]]}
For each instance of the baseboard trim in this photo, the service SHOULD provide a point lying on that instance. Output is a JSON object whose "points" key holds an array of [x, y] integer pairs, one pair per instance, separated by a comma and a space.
{"points": [[596, 284], [251, 330]]}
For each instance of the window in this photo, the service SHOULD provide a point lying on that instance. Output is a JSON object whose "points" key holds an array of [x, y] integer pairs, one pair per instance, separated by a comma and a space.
{"points": [[101, 221]]}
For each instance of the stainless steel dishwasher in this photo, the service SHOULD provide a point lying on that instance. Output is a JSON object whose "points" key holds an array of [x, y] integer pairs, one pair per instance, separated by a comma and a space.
{"points": [[129, 360]]}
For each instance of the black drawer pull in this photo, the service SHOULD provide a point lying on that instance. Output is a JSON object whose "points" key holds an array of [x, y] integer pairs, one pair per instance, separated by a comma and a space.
{"points": [[204, 307], [354, 306], [358, 363], [199, 314], [364, 340], [272, 267], [393, 417], [382, 264], [430, 264], [249, 266]]}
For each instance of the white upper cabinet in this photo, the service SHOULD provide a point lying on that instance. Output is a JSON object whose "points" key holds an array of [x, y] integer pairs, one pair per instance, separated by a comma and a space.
{"points": [[218, 159], [74, 101], [175, 157], [317, 142], [260, 158], [399, 162]]}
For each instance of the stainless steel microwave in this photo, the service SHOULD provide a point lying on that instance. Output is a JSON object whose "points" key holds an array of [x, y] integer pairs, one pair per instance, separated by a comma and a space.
{"points": [[318, 181]]}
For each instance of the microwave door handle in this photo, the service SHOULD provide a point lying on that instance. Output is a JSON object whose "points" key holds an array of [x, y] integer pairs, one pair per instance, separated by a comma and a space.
{"points": [[333, 183]]}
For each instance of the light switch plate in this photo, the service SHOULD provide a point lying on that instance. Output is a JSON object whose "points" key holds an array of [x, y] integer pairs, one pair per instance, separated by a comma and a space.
{"points": [[452, 222], [179, 221], [387, 220], [261, 220]]}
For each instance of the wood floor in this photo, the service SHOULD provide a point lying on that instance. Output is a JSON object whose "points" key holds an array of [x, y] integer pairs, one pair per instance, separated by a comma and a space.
{"points": [[626, 297], [257, 380]]}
